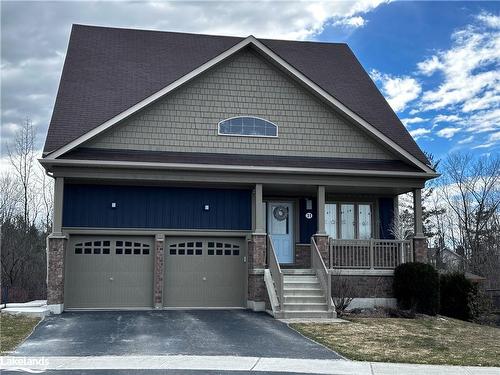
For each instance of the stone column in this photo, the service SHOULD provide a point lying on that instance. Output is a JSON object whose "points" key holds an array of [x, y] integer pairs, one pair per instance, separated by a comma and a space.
{"points": [[56, 250], [420, 249], [419, 240], [321, 237], [257, 293], [159, 269]]}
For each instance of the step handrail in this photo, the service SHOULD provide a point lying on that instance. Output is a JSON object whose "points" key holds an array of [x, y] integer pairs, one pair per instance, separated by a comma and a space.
{"points": [[324, 276], [275, 270]]}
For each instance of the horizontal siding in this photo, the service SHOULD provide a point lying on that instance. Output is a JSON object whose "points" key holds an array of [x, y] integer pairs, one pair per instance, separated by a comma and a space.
{"points": [[156, 207]]}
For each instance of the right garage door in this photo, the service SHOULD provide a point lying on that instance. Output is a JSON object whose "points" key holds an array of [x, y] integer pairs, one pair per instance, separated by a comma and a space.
{"points": [[205, 272]]}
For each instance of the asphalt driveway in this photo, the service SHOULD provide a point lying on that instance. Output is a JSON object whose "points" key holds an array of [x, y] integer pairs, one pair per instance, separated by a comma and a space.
{"points": [[195, 332]]}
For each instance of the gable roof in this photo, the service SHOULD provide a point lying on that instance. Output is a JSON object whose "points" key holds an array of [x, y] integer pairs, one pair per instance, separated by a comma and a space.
{"points": [[107, 71]]}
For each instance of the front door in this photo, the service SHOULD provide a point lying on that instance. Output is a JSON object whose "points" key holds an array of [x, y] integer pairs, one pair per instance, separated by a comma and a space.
{"points": [[280, 227]]}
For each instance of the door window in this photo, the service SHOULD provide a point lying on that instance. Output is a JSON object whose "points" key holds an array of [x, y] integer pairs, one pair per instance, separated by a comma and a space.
{"points": [[364, 221], [347, 224], [280, 219], [331, 219]]}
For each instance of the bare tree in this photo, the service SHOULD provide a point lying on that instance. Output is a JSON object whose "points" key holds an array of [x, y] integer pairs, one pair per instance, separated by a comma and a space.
{"points": [[46, 193], [344, 290], [10, 197], [22, 155], [471, 189], [24, 199]]}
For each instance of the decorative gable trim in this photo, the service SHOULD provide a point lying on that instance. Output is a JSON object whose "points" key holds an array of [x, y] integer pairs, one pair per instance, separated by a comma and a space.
{"points": [[276, 59]]}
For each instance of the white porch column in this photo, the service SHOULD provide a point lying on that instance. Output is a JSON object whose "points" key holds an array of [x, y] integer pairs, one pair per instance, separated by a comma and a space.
{"points": [[417, 213], [58, 205], [321, 210], [259, 213]]}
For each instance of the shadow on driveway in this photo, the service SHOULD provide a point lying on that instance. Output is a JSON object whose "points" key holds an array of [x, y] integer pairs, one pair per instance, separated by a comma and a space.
{"points": [[174, 332]]}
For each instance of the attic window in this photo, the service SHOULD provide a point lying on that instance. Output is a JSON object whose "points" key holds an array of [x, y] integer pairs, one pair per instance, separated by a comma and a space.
{"points": [[248, 126]]}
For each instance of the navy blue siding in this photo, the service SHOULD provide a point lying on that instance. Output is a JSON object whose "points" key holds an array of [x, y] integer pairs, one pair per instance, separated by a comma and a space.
{"points": [[386, 217], [156, 207], [307, 227]]}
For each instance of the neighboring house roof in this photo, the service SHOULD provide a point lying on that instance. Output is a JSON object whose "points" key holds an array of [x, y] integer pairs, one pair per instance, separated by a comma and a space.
{"points": [[109, 70]]}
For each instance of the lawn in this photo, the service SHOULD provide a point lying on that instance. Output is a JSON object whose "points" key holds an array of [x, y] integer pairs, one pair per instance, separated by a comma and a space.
{"points": [[427, 340], [13, 330]]}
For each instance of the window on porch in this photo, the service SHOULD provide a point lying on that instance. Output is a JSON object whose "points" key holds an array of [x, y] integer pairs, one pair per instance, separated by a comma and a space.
{"points": [[349, 221]]}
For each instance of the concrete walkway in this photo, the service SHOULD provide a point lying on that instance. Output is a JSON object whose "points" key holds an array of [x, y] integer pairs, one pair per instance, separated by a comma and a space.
{"points": [[229, 364]]}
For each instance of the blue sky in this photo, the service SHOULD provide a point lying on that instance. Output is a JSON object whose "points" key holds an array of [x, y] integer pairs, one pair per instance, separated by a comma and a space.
{"points": [[396, 37], [437, 63]]}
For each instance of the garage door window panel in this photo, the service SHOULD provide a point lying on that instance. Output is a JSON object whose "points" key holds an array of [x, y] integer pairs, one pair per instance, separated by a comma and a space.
{"points": [[95, 247]]}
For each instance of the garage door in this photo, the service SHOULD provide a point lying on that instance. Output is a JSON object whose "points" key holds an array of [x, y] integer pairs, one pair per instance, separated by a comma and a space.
{"points": [[109, 272], [205, 272]]}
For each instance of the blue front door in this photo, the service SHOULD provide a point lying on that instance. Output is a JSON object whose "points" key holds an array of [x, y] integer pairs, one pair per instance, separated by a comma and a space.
{"points": [[280, 227]]}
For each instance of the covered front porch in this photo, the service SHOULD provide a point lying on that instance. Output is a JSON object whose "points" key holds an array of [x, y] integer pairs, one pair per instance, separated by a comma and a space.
{"points": [[353, 226], [304, 235]]}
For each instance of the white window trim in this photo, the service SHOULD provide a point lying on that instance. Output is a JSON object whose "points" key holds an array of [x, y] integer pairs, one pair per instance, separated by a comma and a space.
{"points": [[247, 135]]}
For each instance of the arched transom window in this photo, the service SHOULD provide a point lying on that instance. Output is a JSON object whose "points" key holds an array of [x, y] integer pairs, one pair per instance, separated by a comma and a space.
{"points": [[248, 126]]}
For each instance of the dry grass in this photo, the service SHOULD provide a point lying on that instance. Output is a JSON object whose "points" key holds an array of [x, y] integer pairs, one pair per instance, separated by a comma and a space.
{"points": [[13, 330], [429, 340]]}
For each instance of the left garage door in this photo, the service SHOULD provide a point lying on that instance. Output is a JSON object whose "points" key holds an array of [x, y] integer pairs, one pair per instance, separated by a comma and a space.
{"points": [[109, 272]]}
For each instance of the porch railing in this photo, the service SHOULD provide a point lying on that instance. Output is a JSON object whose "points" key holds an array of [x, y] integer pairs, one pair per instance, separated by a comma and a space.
{"points": [[370, 254], [324, 277], [275, 270]]}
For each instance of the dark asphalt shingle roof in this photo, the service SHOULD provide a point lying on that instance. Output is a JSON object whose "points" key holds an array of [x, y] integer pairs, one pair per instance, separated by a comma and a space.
{"points": [[108, 70], [84, 153]]}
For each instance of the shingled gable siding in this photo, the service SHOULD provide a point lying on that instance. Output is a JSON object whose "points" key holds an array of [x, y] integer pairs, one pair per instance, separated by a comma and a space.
{"points": [[156, 207], [186, 120]]}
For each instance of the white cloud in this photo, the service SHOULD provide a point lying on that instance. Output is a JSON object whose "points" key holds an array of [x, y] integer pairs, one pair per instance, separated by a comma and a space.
{"points": [[490, 20], [466, 96], [484, 145], [357, 21], [399, 91], [470, 69], [412, 120], [466, 140], [494, 137], [448, 132], [430, 65], [446, 118], [419, 133]]}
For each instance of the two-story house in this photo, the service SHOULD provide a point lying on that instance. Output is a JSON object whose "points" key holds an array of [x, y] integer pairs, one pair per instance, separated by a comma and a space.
{"points": [[197, 171]]}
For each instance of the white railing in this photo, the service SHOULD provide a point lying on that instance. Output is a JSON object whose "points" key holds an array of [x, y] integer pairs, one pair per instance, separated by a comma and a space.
{"points": [[276, 273], [370, 254], [324, 277]]}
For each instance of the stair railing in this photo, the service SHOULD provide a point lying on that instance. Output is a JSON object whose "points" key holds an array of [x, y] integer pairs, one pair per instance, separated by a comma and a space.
{"points": [[324, 276], [275, 269]]}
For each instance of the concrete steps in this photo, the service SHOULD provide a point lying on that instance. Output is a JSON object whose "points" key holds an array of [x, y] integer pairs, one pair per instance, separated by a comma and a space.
{"points": [[303, 296]]}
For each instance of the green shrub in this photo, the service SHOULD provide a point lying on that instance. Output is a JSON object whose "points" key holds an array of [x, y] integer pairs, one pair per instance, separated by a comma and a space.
{"points": [[479, 305], [456, 294], [416, 287]]}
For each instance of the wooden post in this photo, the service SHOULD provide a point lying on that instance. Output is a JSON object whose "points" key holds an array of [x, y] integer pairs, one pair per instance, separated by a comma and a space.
{"points": [[321, 211], [259, 214]]}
